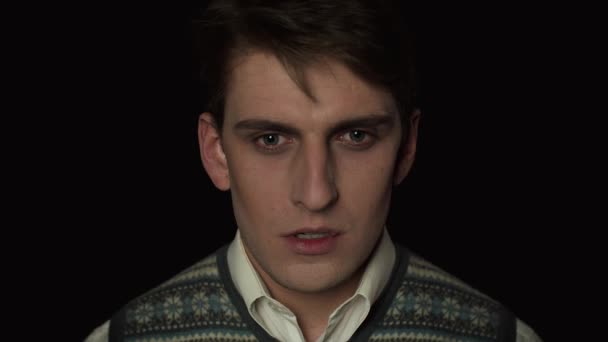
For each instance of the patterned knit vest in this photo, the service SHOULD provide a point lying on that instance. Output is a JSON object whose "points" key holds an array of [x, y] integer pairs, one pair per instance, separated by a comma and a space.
{"points": [[420, 303]]}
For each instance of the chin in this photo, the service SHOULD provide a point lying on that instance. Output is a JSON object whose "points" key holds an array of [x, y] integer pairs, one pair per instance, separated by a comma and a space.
{"points": [[314, 278]]}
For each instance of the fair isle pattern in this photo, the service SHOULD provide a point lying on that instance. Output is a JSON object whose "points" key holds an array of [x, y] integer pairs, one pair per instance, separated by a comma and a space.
{"points": [[424, 270], [422, 303], [191, 307], [206, 336], [426, 336], [433, 306]]}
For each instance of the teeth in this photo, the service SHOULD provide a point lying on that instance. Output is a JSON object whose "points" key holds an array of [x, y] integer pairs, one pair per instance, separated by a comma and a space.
{"points": [[311, 235]]}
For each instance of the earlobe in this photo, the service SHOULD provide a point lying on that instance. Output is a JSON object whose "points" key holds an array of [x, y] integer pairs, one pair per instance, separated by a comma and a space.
{"points": [[407, 152], [212, 152]]}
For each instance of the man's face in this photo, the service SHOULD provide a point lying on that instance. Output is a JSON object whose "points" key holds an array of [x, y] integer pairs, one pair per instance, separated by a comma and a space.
{"points": [[322, 167]]}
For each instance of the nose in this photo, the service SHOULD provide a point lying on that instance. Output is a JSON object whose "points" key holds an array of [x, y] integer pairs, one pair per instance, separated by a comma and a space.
{"points": [[313, 181]]}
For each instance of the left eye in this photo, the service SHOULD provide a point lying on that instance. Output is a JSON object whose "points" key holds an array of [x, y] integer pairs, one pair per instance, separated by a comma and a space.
{"points": [[357, 136], [270, 139]]}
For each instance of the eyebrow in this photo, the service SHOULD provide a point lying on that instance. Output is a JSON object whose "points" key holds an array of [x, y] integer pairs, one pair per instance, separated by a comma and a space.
{"points": [[368, 121]]}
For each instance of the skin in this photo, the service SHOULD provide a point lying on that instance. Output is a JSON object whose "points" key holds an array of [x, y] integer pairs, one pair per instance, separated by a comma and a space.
{"points": [[292, 161]]}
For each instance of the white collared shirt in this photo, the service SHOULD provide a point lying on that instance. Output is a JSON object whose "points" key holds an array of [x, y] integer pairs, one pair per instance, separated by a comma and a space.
{"points": [[281, 323]]}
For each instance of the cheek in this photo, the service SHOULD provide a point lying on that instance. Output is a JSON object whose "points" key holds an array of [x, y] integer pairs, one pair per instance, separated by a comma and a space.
{"points": [[256, 190], [368, 175], [366, 187]]}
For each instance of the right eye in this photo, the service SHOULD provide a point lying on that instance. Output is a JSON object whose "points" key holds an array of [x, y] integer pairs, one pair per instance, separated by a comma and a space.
{"points": [[270, 139], [270, 142]]}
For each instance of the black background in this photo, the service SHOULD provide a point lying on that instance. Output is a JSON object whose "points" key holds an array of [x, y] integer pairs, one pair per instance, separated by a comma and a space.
{"points": [[123, 203]]}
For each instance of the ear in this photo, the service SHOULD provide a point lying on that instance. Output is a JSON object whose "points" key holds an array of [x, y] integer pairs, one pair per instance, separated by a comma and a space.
{"points": [[212, 152], [407, 152]]}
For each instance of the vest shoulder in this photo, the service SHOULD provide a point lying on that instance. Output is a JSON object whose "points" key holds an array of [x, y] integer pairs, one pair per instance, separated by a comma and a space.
{"points": [[194, 305], [203, 270], [422, 270], [429, 304]]}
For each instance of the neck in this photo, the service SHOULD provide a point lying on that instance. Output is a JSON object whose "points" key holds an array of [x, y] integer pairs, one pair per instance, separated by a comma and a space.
{"points": [[313, 309], [326, 300]]}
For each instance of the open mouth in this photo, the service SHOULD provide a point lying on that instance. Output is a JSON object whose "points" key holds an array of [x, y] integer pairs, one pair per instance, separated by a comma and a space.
{"points": [[312, 243], [310, 236]]}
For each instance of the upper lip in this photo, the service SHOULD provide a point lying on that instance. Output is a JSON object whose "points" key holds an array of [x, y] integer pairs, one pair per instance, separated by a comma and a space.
{"points": [[313, 230]]}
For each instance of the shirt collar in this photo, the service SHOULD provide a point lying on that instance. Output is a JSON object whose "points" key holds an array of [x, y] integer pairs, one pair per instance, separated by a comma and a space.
{"points": [[251, 287], [378, 270], [245, 277]]}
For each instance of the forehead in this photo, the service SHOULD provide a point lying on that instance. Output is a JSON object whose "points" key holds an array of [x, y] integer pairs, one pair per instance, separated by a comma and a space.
{"points": [[259, 85]]}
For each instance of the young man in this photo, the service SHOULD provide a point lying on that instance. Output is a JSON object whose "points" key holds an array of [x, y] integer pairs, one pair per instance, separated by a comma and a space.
{"points": [[310, 126]]}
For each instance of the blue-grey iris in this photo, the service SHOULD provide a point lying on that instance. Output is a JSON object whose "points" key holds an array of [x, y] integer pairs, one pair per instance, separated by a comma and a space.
{"points": [[357, 136], [271, 139]]}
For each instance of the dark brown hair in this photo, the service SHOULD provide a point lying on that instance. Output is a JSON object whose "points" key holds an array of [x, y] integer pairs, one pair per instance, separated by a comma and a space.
{"points": [[369, 37]]}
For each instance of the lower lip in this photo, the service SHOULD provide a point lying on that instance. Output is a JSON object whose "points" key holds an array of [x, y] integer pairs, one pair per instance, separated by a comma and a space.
{"points": [[318, 246]]}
